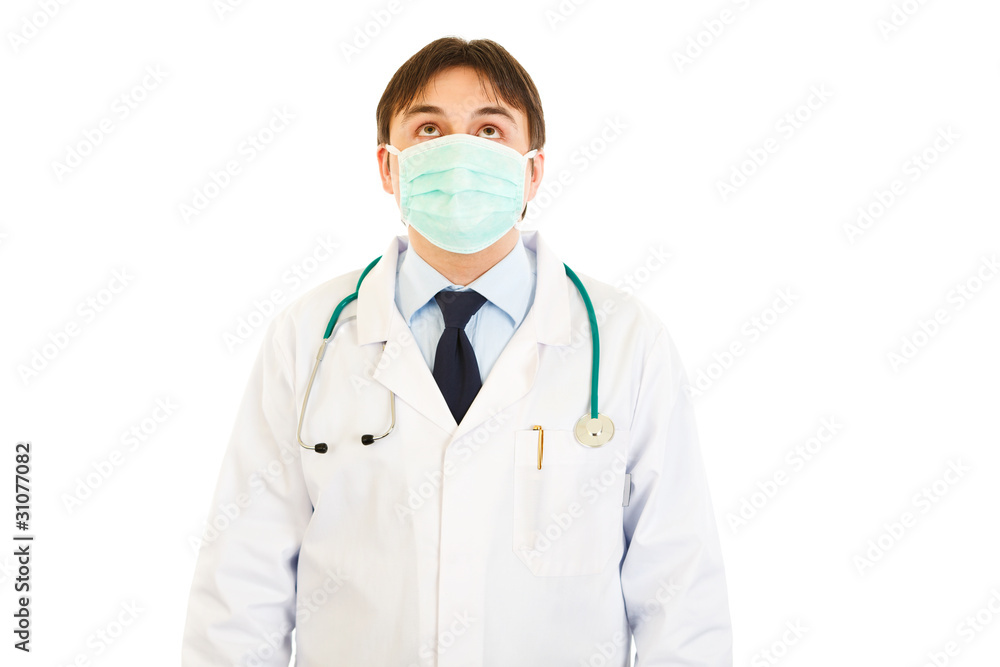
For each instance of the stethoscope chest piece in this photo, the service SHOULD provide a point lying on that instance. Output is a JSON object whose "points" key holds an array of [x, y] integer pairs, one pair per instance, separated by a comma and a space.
{"points": [[594, 432]]}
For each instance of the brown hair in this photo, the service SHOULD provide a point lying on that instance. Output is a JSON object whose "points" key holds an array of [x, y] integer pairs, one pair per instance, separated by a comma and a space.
{"points": [[490, 61]]}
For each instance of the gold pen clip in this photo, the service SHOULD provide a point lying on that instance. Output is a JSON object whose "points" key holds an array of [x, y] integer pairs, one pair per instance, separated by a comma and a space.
{"points": [[541, 440]]}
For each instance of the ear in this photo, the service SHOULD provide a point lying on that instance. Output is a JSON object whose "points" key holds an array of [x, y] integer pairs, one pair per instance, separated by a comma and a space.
{"points": [[534, 174], [385, 173]]}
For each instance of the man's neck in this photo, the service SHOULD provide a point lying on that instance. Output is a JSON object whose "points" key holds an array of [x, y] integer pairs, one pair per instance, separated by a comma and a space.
{"points": [[458, 268]]}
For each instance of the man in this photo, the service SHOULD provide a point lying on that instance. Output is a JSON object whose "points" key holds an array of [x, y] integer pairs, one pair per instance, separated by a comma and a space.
{"points": [[479, 529]]}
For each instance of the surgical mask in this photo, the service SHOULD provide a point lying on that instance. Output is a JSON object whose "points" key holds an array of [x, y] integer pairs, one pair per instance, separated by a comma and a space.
{"points": [[461, 192]]}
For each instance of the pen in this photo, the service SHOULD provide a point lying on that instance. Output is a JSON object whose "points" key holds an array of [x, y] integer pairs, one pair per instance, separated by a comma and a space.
{"points": [[541, 438]]}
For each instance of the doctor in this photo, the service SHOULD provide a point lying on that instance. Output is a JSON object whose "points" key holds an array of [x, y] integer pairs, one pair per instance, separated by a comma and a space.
{"points": [[478, 529]]}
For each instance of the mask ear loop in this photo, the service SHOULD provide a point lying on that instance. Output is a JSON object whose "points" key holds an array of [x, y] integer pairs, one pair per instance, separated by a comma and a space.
{"points": [[395, 151], [519, 225]]}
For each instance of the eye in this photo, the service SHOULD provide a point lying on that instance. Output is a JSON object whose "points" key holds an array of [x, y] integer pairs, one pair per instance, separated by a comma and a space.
{"points": [[423, 133], [491, 132]]}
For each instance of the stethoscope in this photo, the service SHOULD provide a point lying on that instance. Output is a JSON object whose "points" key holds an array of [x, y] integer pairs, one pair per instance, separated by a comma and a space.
{"points": [[593, 429]]}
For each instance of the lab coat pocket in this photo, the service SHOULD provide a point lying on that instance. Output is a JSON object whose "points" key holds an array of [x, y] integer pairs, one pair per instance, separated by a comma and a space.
{"points": [[567, 517]]}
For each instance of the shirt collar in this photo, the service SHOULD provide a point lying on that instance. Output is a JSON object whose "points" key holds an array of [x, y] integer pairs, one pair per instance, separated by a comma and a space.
{"points": [[509, 284]]}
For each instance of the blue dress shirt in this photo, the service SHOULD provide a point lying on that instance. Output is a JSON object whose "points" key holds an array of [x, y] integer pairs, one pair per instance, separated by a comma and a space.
{"points": [[509, 288]]}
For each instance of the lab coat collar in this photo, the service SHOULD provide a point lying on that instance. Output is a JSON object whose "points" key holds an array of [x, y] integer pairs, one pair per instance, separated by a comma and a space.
{"points": [[403, 370], [377, 307]]}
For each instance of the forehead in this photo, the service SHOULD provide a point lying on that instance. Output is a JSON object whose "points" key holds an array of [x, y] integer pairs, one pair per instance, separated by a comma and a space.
{"points": [[458, 91]]}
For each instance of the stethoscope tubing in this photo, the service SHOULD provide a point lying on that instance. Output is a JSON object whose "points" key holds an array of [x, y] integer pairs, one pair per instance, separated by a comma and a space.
{"points": [[595, 343]]}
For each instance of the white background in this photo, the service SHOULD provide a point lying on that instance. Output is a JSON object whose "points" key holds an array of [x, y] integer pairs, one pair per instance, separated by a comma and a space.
{"points": [[683, 128]]}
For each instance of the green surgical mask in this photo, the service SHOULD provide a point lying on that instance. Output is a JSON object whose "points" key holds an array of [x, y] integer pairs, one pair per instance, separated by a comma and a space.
{"points": [[461, 192]]}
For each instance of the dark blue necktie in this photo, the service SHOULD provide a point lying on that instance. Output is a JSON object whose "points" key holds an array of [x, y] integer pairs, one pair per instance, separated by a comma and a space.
{"points": [[455, 367]]}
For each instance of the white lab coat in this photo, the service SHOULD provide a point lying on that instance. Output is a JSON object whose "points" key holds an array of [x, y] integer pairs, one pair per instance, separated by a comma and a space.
{"points": [[443, 544]]}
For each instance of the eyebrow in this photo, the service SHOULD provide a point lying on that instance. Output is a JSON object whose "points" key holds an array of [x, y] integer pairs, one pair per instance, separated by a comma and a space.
{"points": [[482, 111]]}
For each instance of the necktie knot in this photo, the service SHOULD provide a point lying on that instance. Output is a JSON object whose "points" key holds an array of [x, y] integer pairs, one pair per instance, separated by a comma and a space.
{"points": [[458, 307]]}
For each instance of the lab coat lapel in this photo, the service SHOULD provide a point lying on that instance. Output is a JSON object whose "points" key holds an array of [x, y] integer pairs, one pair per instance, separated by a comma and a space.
{"points": [[547, 322], [401, 367]]}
